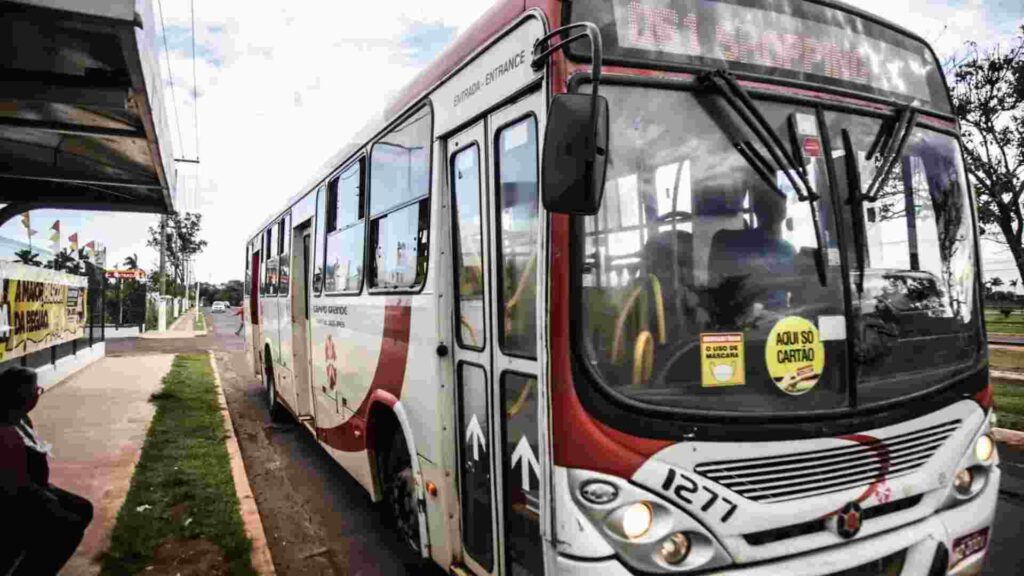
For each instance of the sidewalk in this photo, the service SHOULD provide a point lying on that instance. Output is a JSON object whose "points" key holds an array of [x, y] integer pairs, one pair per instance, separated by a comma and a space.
{"points": [[97, 421], [183, 327]]}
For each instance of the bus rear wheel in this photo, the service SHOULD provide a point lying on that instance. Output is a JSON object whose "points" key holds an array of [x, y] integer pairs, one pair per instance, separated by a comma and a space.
{"points": [[398, 483]]}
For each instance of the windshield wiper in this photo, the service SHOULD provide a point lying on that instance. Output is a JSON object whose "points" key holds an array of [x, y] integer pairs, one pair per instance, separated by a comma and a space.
{"points": [[743, 105], [894, 142], [893, 139], [855, 198]]}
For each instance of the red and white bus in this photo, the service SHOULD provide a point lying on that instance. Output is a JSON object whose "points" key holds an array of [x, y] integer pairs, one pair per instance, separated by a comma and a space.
{"points": [[648, 286]]}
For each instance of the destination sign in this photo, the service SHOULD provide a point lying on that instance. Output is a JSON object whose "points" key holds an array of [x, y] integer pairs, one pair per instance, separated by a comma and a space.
{"points": [[799, 40]]}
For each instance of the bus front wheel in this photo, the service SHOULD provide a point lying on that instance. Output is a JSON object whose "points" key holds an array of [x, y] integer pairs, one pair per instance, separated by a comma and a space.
{"points": [[398, 483], [273, 406]]}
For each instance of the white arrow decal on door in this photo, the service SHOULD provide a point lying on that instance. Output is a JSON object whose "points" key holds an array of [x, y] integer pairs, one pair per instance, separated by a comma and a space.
{"points": [[475, 436], [524, 453]]}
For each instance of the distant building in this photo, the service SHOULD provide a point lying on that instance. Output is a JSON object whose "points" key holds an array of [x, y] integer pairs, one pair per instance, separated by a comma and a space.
{"points": [[9, 247]]}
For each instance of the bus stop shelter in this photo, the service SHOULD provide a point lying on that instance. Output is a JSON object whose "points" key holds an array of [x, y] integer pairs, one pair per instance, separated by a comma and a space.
{"points": [[82, 121]]}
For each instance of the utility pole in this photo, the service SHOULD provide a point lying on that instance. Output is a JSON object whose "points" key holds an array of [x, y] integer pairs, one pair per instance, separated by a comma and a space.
{"points": [[162, 304], [163, 255]]}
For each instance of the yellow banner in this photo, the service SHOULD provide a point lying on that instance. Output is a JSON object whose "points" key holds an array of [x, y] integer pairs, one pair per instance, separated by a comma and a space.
{"points": [[38, 309]]}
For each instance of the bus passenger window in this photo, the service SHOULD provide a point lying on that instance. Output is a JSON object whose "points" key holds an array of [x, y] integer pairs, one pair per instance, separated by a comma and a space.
{"points": [[469, 246], [319, 241], [344, 252], [517, 190], [284, 263], [399, 204]]}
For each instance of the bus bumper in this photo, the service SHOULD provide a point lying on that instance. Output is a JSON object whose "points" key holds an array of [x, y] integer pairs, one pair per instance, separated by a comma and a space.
{"points": [[920, 542]]}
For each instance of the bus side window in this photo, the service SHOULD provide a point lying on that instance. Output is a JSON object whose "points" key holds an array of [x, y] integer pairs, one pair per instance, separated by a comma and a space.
{"points": [[319, 240], [272, 252], [248, 272], [264, 263], [400, 205], [346, 206], [516, 166], [284, 262]]}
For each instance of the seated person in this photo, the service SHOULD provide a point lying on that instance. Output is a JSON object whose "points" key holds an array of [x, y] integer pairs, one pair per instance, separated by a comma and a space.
{"points": [[755, 262], [50, 521]]}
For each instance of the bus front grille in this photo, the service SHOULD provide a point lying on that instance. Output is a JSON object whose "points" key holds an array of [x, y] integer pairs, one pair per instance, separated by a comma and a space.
{"points": [[803, 474]]}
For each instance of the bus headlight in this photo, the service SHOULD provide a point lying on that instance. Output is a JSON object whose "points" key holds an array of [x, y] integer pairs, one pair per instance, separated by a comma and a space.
{"points": [[646, 533], [675, 548], [637, 520], [984, 448], [963, 480]]}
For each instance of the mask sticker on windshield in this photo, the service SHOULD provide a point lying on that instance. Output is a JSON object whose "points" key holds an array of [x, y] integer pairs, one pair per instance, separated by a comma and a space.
{"points": [[721, 360], [794, 355]]}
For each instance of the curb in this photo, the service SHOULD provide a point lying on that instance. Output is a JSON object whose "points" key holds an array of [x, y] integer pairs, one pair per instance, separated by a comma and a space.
{"points": [[262, 562], [1006, 375], [1014, 438]]}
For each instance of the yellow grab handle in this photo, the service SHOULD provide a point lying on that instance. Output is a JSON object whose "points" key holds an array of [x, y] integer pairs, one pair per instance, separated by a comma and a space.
{"points": [[620, 324], [643, 358], [659, 306]]}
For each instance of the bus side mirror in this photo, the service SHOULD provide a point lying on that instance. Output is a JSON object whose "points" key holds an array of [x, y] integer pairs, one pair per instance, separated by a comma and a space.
{"points": [[575, 154]]}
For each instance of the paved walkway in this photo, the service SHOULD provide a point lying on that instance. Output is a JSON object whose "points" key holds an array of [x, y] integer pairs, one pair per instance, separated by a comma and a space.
{"points": [[97, 421], [183, 327]]}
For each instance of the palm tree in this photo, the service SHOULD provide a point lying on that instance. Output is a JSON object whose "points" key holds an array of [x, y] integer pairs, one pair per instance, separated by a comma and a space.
{"points": [[61, 260], [132, 262], [29, 257]]}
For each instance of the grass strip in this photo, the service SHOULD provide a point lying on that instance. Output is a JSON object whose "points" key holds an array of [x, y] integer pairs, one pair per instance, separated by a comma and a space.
{"points": [[200, 322], [182, 488], [1009, 403]]}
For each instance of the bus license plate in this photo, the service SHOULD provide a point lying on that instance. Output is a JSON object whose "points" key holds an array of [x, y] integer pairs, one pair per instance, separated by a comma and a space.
{"points": [[965, 546]]}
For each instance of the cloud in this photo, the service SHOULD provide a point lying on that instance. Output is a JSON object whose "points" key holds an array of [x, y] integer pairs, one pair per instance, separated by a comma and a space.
{"points": [[421, 41]]}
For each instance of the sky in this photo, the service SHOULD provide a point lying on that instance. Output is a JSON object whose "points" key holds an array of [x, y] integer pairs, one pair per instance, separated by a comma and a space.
{"points": [[282, 86]]}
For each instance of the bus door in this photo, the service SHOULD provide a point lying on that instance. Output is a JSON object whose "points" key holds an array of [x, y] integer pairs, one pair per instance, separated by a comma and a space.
{"points": [[255, 339], [493, 175], [300, 320]]}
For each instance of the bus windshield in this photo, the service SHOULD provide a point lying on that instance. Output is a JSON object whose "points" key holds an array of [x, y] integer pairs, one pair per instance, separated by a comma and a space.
{"points": [[700, 288]]}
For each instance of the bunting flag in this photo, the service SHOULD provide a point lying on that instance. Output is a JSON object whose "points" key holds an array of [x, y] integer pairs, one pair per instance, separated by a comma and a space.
{"points": [[73, 242], [26, 221], [55, 237], [91, 246]]}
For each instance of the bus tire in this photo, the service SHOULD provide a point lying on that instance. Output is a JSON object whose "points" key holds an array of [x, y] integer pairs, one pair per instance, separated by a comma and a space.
{"points": [[270, 389], [398, 485]]}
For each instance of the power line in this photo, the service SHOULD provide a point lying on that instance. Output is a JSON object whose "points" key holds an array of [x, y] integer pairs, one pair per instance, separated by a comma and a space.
{"points": [[195, 107], [170, 76]]}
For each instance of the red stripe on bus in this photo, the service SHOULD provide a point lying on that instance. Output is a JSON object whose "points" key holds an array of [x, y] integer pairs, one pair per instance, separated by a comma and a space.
{"points": [[387, 378]]}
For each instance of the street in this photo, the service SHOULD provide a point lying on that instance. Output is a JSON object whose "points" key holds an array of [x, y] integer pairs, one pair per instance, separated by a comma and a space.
{"points": [[318, 520]]}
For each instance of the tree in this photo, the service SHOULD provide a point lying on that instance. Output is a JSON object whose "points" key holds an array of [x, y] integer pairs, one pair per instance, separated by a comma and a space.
{"points": [[132, 262], [991, 284], [63, 261], [988, 99], [231, 292], [26, 256], [183, 242]]}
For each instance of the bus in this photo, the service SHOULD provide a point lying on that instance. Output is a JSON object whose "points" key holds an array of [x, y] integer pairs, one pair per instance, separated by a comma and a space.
{"points": [[648, 287]]}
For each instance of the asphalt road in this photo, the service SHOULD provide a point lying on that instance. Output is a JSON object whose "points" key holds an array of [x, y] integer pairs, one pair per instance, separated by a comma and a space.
{"points": [[1006, 555], [318, 520]]}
